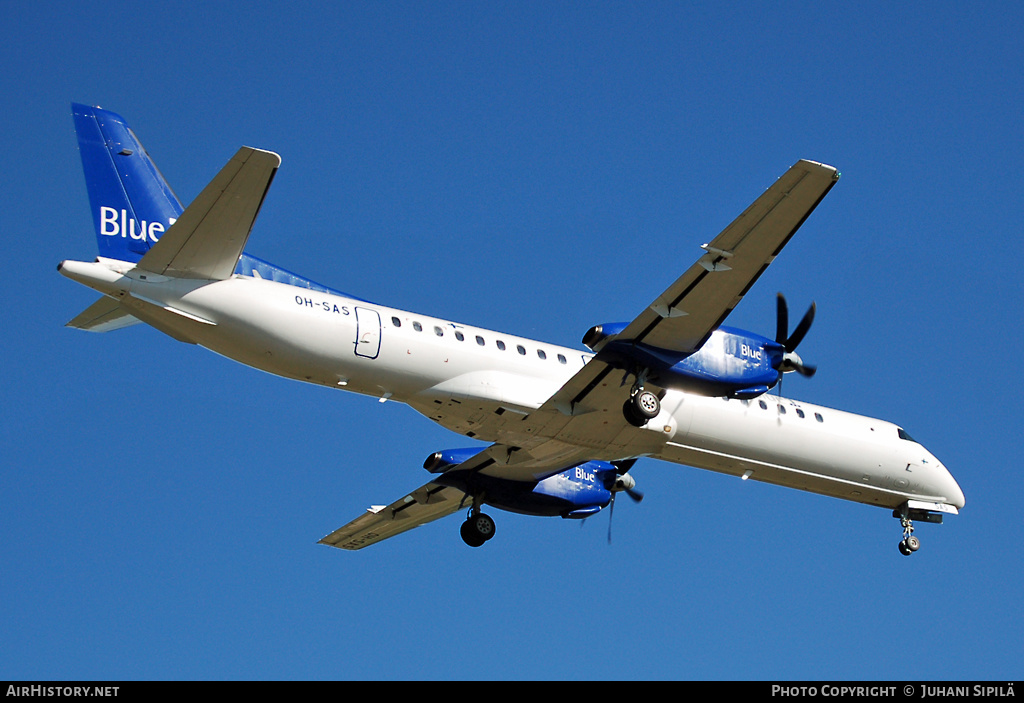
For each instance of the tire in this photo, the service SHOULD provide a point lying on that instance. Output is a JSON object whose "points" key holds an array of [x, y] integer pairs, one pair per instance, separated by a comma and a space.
{"points": [[629, 412], [646, 405], [470, 535]]}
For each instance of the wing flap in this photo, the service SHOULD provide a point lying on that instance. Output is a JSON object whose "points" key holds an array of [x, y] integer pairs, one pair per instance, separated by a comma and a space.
{"points": [[208, 239]]}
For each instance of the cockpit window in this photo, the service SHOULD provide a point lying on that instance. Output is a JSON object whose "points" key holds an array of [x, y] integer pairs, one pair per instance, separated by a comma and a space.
{"points": [[904, 435]]}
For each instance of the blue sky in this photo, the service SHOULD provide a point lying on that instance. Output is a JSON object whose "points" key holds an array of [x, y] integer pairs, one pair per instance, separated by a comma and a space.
{"points": [[535, 168]]}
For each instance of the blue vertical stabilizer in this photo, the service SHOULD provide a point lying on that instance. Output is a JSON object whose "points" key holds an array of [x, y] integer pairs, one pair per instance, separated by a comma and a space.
{"points": [[131, 203]]}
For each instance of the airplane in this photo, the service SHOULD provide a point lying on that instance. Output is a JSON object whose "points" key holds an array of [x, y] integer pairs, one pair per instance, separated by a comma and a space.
{"points": [[561, 427]]}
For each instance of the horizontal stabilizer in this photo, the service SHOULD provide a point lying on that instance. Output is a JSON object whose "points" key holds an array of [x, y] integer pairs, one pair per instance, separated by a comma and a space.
{"points": [[104, 315], [207, 240]]}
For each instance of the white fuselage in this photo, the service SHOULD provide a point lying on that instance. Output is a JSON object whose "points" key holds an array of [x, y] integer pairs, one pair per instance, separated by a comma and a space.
{"points": [[471, 380]]}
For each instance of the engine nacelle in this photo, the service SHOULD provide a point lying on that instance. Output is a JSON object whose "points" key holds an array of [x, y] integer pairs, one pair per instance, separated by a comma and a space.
{"points": [[441, 461], [731, 362], [596, 336], [576, 492]]}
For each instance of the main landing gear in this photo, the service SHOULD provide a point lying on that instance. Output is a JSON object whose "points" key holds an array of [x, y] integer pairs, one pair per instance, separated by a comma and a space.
{"points": [[477, 529], [642, 405]]}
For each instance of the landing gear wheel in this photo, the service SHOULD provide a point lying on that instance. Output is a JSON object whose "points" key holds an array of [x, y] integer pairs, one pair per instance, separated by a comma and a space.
{"points": [[483, 525], [909, 544], [641, 407], [470, 537], [630, 414], [477, 529], [647, 404]]}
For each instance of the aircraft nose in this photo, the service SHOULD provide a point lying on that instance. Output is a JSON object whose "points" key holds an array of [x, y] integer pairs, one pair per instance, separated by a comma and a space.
{"points": [[954, 495]]}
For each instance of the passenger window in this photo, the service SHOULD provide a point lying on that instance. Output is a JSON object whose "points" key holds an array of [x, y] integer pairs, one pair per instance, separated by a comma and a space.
{"points": [[764, 405], [459, 336], [541, 354], [561, 359], [417, 326], [480, 340], [521, 349], [782, 410], [818, 417], [501, 345], [438, 331], [799, 412], [396, 322]]}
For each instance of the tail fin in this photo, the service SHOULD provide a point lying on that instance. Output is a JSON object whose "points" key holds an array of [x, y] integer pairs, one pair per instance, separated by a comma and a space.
{"points": [[132, 205]]}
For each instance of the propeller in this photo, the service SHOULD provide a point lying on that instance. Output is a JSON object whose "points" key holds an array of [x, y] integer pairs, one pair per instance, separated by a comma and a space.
{"points": [[791, 361], [623, 483]]}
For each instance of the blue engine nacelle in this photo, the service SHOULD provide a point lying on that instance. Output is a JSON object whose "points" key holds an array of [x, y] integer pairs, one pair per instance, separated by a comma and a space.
{"points": [[577, 492], [731, 362]]}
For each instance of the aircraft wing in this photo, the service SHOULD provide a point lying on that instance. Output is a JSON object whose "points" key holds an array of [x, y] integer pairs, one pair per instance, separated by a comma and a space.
{"points": [[684, 316], [583, 419], [426, 504], [208, 238]]}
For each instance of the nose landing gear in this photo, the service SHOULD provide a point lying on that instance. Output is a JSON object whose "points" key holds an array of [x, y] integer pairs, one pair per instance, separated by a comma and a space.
{"points": [[922, 511], [909, 544]]}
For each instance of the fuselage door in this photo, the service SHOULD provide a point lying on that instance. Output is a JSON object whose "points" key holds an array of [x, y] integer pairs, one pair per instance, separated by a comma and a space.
{"points": [[367, 333]]}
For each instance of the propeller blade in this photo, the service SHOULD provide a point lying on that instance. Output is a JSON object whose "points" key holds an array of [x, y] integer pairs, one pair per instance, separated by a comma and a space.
{"points": [[801, 329], [621, 483], [781, 319], [611, 513], [806, 371], [791, 361], [624, 465]]}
